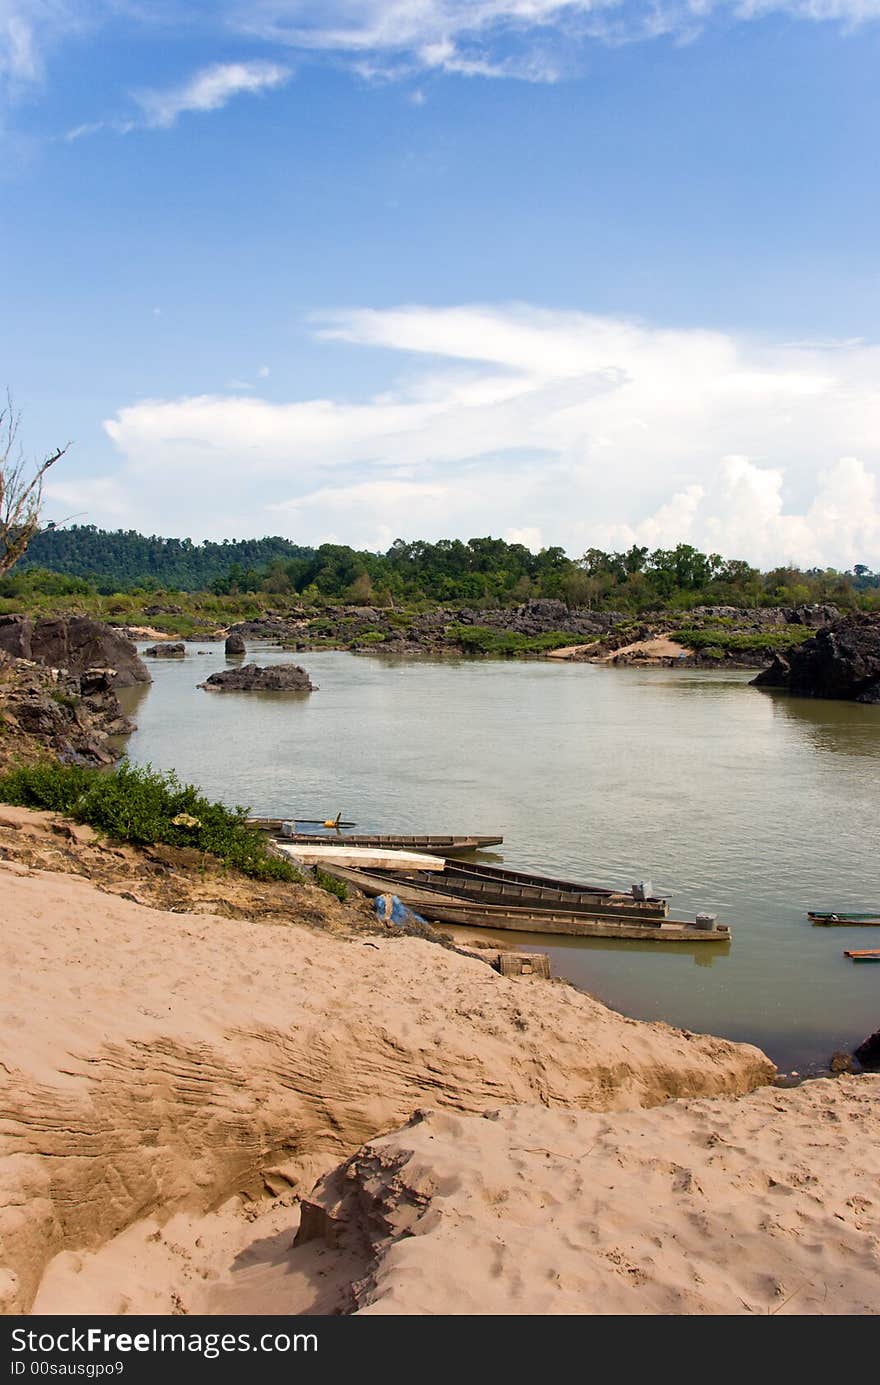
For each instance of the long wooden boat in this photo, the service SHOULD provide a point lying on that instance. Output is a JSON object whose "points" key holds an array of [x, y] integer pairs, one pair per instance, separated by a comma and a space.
{"points": [[435, 844], [602, 921], [868, 954], [843, 916], [490, 891], [478, 881]]}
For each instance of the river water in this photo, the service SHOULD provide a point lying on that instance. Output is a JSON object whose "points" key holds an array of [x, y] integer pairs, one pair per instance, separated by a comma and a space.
{"points": [[753, 805]]}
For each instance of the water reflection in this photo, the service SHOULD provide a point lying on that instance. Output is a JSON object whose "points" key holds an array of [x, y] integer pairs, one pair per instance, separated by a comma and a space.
{"points": [[838, 728]]}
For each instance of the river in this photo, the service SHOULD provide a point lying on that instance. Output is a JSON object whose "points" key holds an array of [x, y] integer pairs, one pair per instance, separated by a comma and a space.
{"points": [[750, 804]]}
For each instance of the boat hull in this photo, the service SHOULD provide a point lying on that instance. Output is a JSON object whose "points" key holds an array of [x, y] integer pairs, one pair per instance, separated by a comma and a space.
{"points": [[433, 844], [830, 920], [440, 907]]}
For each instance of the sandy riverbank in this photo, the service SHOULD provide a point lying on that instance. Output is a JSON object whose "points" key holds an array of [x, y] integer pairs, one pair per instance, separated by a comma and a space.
{"points": [[158, 1064]]}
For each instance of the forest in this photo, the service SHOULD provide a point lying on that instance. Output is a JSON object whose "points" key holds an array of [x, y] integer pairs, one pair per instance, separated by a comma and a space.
{"points": [[85, 560]]}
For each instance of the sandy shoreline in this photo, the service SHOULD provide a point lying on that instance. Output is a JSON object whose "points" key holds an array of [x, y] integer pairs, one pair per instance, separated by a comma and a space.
{"points": [[191, 1076]]}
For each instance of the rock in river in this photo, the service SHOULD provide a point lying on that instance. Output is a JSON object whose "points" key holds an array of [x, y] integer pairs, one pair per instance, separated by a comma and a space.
{"points": [[252, 678], [842, 660], [175, 649], [235, 645]]}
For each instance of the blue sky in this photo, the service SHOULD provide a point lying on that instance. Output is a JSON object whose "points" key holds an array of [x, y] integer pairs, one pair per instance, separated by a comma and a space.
{"points": [[365, 268]]}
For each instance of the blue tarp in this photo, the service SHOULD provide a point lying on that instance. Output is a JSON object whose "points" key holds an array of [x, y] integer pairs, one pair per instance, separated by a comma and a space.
{"points": [[390, 910]]}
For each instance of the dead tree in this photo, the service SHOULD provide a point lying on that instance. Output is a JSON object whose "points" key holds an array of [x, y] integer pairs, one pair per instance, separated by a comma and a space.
{"points": [[21, 489]]}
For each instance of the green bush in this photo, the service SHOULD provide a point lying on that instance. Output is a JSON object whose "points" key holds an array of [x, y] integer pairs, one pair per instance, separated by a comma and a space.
{"points": [[332, 886], [481, 639], [711, 637], [145, 806]]}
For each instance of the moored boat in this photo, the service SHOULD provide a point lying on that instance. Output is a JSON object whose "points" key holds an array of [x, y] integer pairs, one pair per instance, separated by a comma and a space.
{"points": [[435, 844], [843, 916], [605, 916], [475, 880], [868, 954], [538, 898]]}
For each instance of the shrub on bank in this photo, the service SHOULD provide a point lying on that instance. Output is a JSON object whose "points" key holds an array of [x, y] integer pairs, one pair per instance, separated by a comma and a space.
{"points": [[482, 639], [145, 806], [708, 639]]}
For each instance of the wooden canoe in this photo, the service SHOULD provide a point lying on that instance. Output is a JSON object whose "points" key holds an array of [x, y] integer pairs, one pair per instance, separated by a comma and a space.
{"points": [[868, 954], [478, 891], [477, 881], [600, 922], [843, 917], [435, 844]]}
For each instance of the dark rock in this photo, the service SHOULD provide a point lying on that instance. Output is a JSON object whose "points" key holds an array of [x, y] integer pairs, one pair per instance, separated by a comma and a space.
{"points": [[776, 676], [814, 616], [841, 1062], [868, 1053], [235, 644], [252, 678], [163, 610], [75, 643], [842, 661], [169, 649], [70, 716]]}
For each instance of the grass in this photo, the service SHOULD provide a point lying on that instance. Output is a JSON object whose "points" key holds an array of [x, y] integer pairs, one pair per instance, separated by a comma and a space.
{"points": [[145, 806]]}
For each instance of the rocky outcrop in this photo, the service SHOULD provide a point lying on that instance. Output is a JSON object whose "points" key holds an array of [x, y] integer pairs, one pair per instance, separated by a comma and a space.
{"points": [[235, 645], [842, 661], [253, 678], [699, 1207], [180, 1059], [170, 649], [50, 711], [74, 643]]}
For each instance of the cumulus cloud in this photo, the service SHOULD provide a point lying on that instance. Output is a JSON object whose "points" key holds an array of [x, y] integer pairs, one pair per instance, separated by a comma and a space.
{"points": [[209, 90], [556, 427]]}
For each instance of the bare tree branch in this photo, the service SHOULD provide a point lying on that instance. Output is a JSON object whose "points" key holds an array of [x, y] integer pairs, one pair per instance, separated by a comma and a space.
{"points": [[21, 491]]}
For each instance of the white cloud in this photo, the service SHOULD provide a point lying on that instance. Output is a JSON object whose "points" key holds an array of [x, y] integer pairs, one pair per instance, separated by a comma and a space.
{"points": [[569, 428], [532, 40], [209, 89]]}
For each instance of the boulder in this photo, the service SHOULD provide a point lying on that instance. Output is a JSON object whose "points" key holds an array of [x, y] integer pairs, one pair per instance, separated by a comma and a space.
{"points": [[842, 661], [868, 1052], [252, 678], [167, 650], [75, 643], [235, 645]]}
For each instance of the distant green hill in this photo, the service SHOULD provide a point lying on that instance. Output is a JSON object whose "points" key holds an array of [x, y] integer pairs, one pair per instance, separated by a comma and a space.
{"points": [[122, 559]]}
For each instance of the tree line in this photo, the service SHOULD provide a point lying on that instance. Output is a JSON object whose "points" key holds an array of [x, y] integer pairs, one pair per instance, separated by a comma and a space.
{"points": [[480, 570]]}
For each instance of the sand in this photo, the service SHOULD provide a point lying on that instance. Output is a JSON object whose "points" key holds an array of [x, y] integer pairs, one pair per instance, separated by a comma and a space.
{"points": [[769, 1204], [660, 647], [160, 1064]]}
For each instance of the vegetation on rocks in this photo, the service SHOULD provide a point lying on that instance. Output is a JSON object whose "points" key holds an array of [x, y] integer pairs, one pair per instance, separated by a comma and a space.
{"points": [[481, 639], [707, 639]]}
